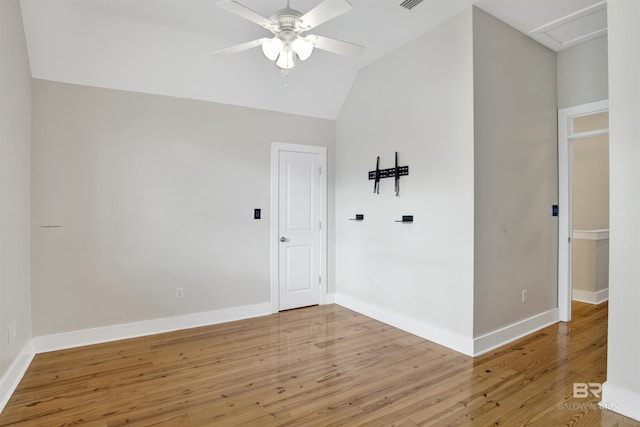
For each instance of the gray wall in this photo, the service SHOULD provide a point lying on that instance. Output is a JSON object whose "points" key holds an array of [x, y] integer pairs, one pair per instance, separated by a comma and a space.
{"points": [[582, 73], [15, 136], [590, 265], [151, 193], [516, 182], [590, 186], [417, 101], [623, 349]]}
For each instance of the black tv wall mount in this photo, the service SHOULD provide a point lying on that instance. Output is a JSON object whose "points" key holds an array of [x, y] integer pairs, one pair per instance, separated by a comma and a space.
{"points": [[394, 172]]}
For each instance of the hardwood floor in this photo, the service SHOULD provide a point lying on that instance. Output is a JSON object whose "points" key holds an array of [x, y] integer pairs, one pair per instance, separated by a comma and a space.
{"points": [[318, 366]]}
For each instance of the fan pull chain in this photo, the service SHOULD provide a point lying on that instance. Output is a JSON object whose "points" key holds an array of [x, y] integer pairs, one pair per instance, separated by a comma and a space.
{"points": [[284, 74]]}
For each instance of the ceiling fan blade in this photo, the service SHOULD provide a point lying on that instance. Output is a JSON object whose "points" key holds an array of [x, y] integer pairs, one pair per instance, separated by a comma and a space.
{"points": [[335, 46], [246, 13], [238, 48], [323, 12]]}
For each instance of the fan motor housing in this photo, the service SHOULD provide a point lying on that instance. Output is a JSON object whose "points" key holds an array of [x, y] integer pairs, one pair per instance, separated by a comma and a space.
{"points": [[286, 18]]}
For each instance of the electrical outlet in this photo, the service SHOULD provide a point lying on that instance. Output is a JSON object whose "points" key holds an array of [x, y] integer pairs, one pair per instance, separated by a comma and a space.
{"points": [[179, 293], [524, 295]]}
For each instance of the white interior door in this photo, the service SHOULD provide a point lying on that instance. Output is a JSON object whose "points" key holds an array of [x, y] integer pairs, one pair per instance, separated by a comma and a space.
{"points": [[300, 248]]}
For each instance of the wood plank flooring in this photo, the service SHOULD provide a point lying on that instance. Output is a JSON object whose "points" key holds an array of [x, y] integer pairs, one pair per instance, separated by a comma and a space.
{"points": [[318, 366]]}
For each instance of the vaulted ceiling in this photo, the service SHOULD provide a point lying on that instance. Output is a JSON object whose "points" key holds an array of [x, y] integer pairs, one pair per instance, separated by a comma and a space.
{"points": [[162, 46]]}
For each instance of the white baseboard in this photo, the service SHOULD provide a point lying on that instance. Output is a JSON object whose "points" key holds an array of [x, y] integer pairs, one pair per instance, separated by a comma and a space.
{"points": [[590, 297], [505, 335], [620, 400], [330, 298], [447, 338], [148, 327], [12, 377]]}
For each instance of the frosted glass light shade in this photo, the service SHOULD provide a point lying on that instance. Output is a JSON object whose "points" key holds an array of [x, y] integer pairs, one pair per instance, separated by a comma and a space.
{"points": [[302, 47], [272, 48], [285, 60]]}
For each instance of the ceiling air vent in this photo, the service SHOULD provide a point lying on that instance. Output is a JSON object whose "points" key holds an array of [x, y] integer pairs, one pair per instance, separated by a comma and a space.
{"points": [[410, 4]]}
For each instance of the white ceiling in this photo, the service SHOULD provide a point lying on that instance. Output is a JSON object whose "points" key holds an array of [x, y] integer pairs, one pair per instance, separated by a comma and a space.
{"points": [[162, 46]]}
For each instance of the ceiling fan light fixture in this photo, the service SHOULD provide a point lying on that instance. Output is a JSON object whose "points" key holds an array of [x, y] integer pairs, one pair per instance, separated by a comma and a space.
{"points": [[272, 48], [287, 26], [302, 47], [285, 60]]}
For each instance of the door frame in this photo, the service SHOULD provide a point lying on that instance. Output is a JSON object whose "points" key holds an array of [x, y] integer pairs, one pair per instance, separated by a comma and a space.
{"points": [[565, 185], [276, 148]]}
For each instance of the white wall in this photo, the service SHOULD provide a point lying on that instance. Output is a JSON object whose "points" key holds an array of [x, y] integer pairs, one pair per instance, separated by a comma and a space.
{"points": [[622, 388], [582, 73], [417, 101], [15, 135], [149, 193], [516, 183]]}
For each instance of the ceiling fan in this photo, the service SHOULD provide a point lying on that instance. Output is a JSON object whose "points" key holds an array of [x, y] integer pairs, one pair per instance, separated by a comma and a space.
{"points": [[287, 26]]}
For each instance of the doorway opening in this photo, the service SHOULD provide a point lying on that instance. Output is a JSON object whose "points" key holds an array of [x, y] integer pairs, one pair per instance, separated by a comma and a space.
{"points": [[583, 199]]}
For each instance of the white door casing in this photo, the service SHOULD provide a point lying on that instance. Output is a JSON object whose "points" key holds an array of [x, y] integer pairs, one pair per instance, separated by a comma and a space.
{"points": [[565, 229], [298, 226]]}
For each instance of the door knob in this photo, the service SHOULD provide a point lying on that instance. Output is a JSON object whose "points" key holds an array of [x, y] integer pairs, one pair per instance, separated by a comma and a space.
{"points": [[283, 239]]}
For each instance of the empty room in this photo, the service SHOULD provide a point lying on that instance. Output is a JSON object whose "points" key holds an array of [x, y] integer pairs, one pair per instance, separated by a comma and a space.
{"points": [[319, 212]]}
